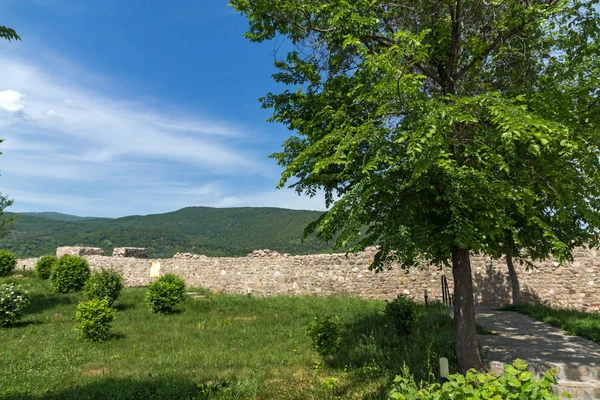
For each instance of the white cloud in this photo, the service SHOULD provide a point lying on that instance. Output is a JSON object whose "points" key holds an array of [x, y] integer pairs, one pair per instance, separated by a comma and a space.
{"points": [[74, 149], [11, 101], [116, 127]]}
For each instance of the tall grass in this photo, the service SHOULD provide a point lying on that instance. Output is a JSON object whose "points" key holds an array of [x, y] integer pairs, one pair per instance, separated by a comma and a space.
{"points": [[220, 346]]}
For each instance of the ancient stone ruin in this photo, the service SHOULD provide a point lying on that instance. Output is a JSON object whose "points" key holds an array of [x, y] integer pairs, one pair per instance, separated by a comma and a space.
{"points": [[267, 253], [269, 273], [189, 256], [134, 252], [79, 251]]}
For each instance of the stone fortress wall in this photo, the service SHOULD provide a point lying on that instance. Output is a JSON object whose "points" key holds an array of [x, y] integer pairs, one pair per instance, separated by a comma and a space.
{"points": [[268, 273]]}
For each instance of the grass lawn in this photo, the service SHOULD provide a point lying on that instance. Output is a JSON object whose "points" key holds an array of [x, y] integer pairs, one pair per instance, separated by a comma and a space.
{"points": [[584, 324], [221, 346]]}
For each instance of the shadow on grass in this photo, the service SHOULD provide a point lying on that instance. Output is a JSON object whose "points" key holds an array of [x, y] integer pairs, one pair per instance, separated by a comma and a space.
{"points": [[124, 306], [24, 324], [123, 389], [373, 350], [42, 302]]}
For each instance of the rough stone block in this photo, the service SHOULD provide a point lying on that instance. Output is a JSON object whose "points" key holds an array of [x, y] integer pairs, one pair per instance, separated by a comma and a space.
{"points": [[79, 251], [134, 252]]}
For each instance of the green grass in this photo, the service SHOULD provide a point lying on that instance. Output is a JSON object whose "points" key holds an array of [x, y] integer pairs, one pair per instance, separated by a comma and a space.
{"points": [[578, 323], [220, 346]]}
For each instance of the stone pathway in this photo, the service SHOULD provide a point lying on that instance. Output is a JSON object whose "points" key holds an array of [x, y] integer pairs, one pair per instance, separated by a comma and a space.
{"points": [[543, 347]]}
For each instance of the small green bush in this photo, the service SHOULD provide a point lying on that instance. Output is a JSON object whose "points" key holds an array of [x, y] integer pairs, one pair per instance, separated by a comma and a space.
{"points": [[69, 274], [163, 295], [516, 383], [43, 267], [403, 312], [326, 334], [13, 301], [105, 284], [8, 262], [94, 318]]}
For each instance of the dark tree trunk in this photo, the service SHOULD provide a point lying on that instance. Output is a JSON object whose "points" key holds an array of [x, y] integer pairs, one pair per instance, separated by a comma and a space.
{"points": [[514, 279], [467, 350]]}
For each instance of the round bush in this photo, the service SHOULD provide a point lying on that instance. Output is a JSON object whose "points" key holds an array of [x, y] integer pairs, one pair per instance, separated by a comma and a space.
{"points": [[94, 318], [13, 301], [326, 334], [43, 267], [403, 312], [8, 262], [163, 295], [69, 274], [103, 285]]}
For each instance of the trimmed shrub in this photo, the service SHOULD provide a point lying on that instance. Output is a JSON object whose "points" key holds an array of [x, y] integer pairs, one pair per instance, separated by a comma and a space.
{"points": [[163, 295], [326, 334], [69, 274], [43, 267], [403, 312], [94, 318], [13, 301], [516, 383], [8, 262], [105, 284]]}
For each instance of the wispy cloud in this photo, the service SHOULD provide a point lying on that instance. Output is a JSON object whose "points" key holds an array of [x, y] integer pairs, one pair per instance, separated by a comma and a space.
{"points": [[72, 147]]}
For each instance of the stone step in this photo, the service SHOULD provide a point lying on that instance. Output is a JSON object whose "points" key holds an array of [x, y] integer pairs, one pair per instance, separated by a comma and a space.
{"points": [[588, 390], [571, 373]]}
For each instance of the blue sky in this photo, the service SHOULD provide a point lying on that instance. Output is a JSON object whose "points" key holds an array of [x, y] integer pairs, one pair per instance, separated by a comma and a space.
{"points": [[113, 107]]}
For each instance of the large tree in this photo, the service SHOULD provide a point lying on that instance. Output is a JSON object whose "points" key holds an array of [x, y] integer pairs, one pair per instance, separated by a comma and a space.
{"points": [[445, 127]]}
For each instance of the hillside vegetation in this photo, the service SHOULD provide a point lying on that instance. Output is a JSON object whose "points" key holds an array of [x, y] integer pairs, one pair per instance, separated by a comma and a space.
{"points": [[200, 230]]}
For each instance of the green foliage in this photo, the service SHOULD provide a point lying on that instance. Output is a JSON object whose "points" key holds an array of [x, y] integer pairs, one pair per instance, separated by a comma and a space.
{"points": [[94, 318], [325, 333], [211, 231], [43, 267], [69, 274], [435, 137], [404, 312], [163, 295], [105, 284], [516, 383], [584, 324], [13, 301], [8, 33], [8, 262]]}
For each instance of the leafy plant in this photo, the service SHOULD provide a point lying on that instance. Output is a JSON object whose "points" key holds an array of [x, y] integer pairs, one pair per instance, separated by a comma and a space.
{"points": [[163, 295], [404, 312], [43, 267], [516, 383], [94, 318], [8, 262], [69, 274], [104, 284], [13, 301], [326, 334]]}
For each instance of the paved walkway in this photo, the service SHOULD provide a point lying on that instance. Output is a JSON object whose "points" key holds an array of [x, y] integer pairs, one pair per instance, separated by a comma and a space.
{"points": [[543, 347]]}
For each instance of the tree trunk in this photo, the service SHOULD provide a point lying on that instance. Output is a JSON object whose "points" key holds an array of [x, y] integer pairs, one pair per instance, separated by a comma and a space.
{"points": [[514, 279], [467, 350]]}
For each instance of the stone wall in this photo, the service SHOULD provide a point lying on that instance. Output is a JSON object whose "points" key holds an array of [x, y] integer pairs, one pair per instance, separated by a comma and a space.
{"points": [[574, 286], [79, 251], [135, 252]]}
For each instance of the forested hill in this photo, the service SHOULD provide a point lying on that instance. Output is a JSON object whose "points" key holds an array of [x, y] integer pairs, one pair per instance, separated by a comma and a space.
{"points": [[200, 230]]}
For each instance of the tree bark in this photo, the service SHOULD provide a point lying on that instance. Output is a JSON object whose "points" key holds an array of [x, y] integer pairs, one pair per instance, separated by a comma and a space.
{"points": [[467, 349], [514, 279]]}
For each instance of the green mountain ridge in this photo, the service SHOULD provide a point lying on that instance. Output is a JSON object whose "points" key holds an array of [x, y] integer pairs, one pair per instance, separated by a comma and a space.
{"points": [[57, 216], [201, 230]]}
